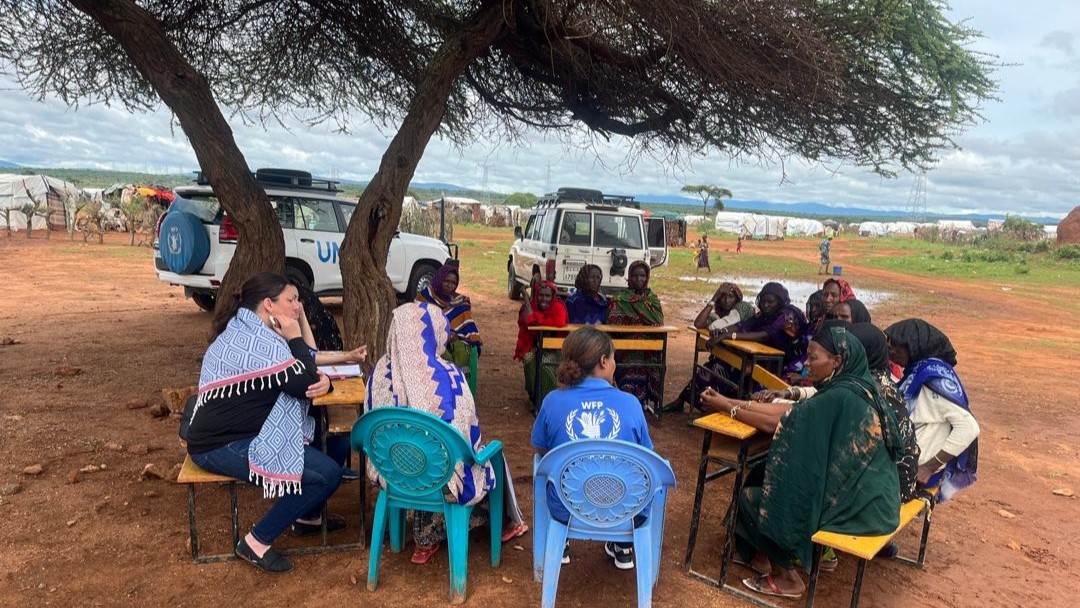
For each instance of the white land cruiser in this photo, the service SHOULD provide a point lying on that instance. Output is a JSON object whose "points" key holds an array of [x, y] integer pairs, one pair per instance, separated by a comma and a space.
{"points": [[196, 239], [574, 227]]}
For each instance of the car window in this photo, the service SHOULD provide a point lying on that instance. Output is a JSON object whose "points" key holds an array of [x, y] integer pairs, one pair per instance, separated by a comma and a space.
{"points": [[547, 228], [347, 210], [314, 214], [285, 211], [622, 231], [532, 229], [206, 208], [576, 229]]}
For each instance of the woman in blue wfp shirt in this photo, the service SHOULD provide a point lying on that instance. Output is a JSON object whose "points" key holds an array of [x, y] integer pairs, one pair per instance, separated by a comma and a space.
{"points": [[588, 406]]}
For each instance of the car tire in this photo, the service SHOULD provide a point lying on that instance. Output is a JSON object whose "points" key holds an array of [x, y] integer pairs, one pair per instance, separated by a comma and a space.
{"points": [[205, 301], [297, 276], [513, 288], [419, 279], [184, 243]]}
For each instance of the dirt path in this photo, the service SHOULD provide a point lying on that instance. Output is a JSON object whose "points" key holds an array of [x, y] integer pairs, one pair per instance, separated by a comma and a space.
{"points": [[96, 333]]}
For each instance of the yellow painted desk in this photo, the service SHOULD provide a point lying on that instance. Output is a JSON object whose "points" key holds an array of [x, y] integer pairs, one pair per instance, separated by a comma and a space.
{"points": [[750, 359], [337, 412]]}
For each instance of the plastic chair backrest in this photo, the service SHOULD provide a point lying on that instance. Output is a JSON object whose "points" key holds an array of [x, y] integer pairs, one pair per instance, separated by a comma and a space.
{"points": [[413, 451], [605, 482]]}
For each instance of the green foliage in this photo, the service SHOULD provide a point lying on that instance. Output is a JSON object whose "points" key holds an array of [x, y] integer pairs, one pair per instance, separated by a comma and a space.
{"points": [[1069, 253], [1022, 229], [707, 191], [524, 200]]}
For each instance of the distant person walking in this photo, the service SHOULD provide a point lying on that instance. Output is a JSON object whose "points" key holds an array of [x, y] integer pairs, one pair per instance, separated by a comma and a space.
{"points": [[703, 254], [826, 259], [738, 244]]}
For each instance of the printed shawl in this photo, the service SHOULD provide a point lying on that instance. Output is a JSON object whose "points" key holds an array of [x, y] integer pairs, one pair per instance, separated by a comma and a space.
{"points": [[249, 355], [456, 307], [413, 374], [941, 378], [631, 308], [832, 464]]}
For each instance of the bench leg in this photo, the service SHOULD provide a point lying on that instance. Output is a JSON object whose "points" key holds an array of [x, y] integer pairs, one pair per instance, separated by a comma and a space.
{"points": [[925, 540], [859, 572], [361, 463], [235, 515], [699, 495], [192, 526], [815, 570], [732, 515]]}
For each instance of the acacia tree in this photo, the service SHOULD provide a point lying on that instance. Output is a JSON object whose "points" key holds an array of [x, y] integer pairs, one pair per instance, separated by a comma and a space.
{"points": [[706, 191], [880, 85]]}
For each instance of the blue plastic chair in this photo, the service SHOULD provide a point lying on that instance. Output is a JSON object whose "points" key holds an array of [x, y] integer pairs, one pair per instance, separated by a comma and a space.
{"points": [[415, 454], [604, 484]]}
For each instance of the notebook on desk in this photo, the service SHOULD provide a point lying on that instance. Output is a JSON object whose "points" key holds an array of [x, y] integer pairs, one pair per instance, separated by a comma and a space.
{"points": [[342, 371]]}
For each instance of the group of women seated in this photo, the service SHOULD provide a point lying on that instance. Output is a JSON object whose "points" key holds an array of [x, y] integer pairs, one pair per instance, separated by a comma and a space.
{"points": [[850, 443]]}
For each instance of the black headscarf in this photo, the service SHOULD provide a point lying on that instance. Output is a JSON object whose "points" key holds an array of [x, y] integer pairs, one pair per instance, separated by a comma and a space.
{"points": [[815, 304], [922, 341], [774, 289], [859, 313], [874, 343]]}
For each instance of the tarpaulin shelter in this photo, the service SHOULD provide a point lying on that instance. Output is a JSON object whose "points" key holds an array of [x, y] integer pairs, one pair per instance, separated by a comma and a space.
{"points": [[872, 229], [19, 190], [797, 226]]}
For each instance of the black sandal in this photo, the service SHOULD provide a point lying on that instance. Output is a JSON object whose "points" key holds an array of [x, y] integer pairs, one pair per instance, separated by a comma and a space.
{"points": [[271, 561], [333, 524]]}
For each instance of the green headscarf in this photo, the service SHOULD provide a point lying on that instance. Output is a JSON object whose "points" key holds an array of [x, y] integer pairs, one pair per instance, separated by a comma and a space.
{"points": [[831, 466]]}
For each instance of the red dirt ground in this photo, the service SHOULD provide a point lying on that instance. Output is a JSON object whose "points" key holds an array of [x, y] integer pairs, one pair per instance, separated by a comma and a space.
{"points": [[94, 330]]}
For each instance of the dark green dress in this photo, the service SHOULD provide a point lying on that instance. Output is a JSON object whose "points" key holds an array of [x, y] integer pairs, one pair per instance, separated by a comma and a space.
{"points": [[831, 467]]}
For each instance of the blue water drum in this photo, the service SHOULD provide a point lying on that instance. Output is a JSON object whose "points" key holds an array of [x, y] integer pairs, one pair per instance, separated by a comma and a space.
{"points": [[837, 270], [184, 243]]}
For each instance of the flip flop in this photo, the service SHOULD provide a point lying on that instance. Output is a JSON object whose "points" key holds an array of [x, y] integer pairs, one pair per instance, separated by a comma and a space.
{"points": [[516, 531], [422, 555], [742, 562], [754, 584]]}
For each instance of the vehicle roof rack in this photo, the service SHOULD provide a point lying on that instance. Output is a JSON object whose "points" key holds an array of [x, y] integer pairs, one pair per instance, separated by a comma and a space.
{"points": [[283, 178]]}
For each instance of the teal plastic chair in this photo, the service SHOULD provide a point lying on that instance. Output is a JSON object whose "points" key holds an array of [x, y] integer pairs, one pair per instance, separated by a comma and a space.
{"points": [[415, 454]]}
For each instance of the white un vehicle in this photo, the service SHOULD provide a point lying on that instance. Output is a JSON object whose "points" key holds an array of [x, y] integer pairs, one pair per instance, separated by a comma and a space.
{"points": [[196, 239], [574, 227]]}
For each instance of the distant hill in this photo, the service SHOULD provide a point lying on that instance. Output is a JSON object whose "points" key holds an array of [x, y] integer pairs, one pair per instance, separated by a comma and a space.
{"points": [[7, 164], [826, 211]]}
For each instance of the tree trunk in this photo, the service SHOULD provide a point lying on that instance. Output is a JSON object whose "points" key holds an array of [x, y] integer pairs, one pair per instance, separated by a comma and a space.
{"points": [[368, 295], [185, 91], [131, 240]]}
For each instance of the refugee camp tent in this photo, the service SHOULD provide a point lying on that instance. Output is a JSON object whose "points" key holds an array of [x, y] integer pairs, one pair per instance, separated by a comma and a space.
{"points": [[19, 190], [730, 221], [798, 226], [872, 229], [957, 225], [901, 228], [767, 227]]}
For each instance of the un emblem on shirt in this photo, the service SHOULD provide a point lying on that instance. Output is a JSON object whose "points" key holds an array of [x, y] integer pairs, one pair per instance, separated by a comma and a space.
{"points": [[589, 424]]}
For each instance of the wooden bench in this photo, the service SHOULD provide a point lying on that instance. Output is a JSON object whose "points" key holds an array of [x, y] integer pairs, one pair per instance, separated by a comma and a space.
{"points": [[550, 340], [192, 475], [866, 547]]}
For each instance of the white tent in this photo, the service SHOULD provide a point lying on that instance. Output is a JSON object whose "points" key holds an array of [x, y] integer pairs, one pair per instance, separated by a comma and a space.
{"points": [[958, 225], [766, 226], [729, 221], [901, 228], [19, 190], [872, 229], [804, 227]]}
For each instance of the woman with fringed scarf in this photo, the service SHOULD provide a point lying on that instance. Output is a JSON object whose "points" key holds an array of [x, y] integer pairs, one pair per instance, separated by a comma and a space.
{"points": [[250, 420]]}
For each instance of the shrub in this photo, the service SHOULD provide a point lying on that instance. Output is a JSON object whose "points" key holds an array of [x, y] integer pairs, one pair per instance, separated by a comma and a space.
{"points": [[1069, 253]]}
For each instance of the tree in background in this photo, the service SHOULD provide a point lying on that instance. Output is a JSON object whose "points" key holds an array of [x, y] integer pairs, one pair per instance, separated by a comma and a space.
{"points": [[880, 85], [706, 192], [74, 204], [525, 200], [132, 208]]}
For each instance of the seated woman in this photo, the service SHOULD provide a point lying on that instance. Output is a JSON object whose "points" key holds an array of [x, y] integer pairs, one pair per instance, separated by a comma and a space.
{"points": [[833, 291], [946, 431], [542, 308], [442, 292], [638, 305], [831, 467], [414, 374], [852, 311], [724, 310], [250, 417], [777, 324], [587, 306], [588, 406]]}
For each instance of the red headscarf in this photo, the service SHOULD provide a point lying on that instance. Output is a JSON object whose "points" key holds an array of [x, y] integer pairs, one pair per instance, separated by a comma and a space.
{"points": [[554, 316], [846, 292]]}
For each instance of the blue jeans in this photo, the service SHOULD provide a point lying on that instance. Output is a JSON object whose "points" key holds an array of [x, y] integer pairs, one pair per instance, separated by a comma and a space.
{"points": [[321, 478]]}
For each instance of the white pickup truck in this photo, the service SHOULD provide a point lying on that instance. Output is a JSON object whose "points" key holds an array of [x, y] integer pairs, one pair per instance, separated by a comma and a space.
{"points": [[195, 240]]}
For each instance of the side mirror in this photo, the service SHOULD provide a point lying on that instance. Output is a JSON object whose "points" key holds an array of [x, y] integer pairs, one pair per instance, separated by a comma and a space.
{"points": [[518, 234]]}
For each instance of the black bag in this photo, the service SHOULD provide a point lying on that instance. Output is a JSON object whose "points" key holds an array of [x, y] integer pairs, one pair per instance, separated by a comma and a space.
{"points": [[185, 418]]}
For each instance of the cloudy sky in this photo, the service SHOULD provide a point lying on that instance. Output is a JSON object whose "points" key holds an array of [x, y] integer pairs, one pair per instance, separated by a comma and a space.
{"points": [[1024, 159]]}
